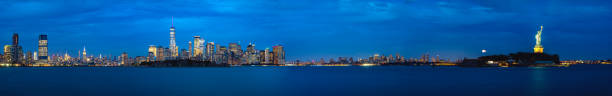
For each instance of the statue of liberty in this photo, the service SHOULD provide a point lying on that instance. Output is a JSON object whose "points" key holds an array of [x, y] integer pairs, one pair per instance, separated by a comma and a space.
{"points": [[538, 47]]}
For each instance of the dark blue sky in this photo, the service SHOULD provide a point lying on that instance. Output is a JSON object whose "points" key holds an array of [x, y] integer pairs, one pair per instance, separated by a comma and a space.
{"points": [[574, 29]]}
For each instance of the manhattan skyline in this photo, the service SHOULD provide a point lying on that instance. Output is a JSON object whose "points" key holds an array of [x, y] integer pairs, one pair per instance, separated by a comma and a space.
{"points": [[313, 30]]}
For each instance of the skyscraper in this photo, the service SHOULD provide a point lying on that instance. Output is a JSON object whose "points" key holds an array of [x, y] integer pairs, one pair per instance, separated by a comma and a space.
{"points": [[197, 44], [43, 57], [15, 39], [262, 56], [173, 48], [235, 53], [252, 55], [35, 55], [153, 49], [85, 59], [28, 58], [210, 51], [13, 53], [221, 55], [184, 54], [190, 52], [8, 53], [538, 47], [279, 54], [160, 56], [124, 58], [267, 56]]}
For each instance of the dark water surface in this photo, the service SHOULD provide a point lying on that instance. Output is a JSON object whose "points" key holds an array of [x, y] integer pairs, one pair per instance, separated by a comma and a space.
{"points": [[577, 80]]}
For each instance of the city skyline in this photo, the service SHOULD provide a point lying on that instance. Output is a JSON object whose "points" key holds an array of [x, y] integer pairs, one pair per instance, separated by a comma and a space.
{"points": [[310, 38]]}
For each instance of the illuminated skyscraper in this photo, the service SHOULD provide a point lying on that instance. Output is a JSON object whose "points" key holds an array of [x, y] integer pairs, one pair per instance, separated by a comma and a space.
{"points": [[28, 58], [13, 53], [153, 49], [85, 59], [252, 55], [8, 53], [279, 54], [376, 58], [234, 47], [235, 53], [159, 55], [267, 56], [198, 47], [425, 58], [184, 54], [262, 56], [190, 52], [210, 51], [35, 55], [124, 58], [15, 39], [173, 48], [221, 55], [538, 47], [43, 57]]}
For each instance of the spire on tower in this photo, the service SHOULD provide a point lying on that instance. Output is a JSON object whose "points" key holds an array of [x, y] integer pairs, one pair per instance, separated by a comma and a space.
{"points": [[172, 21]]}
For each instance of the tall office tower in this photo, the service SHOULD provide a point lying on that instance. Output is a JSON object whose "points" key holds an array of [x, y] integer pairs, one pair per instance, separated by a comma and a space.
{"points": [[85, 59], [43, 52], [190, 52], [8, 53], [262, 56], [13, 53], [538, 47], [234, 47], [390, 59], [15, 39], [425, 58], [35, 56], [173, 48], [197, 43], [160, 53], [210, 50], [235, 53], [217, 47], [251, 48], [150, 57], [29, 58], [168, 54], [397, 57], [124, 58], [184, 54], [376, 58], [437, 58], [18, 53], [153, 49], [221, 55], [267, 56], [252, 55]]}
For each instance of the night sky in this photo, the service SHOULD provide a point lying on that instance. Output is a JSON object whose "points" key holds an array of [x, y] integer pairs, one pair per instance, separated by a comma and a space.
{"points": [[313, 29]]}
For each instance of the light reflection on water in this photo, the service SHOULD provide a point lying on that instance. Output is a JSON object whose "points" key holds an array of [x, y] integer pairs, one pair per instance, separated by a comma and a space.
{"points": [[538, 81]]}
